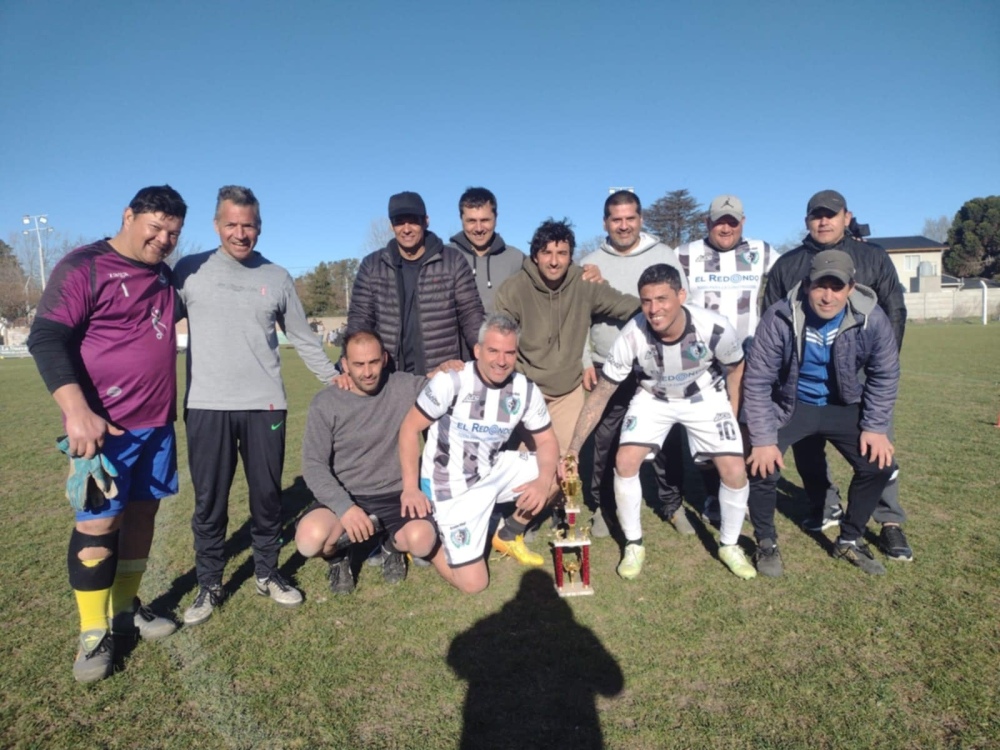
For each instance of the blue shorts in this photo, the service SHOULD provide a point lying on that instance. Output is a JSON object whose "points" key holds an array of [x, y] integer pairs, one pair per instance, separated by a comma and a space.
{"points": [[146, 461]]}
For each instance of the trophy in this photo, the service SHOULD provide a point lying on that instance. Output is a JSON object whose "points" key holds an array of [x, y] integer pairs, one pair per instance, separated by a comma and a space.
{"points": [[572, 545]]}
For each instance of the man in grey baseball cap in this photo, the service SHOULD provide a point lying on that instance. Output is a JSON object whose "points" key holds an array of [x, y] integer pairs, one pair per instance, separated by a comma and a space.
{"points": [[725, 271], [827, 324]]}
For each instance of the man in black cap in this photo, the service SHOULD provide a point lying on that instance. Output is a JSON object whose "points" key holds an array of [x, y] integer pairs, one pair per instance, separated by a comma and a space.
{"points": [[417, 294], [823, 363], [827, 220]]}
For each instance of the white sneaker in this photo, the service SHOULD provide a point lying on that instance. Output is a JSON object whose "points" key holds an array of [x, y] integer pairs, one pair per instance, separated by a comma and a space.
{"points": [[734, 558], [209, 597], [281, 591], [632, 559]]}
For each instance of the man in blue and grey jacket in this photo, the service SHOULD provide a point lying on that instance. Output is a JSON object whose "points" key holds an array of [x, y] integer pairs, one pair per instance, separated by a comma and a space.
{"points": [[823, 362]]}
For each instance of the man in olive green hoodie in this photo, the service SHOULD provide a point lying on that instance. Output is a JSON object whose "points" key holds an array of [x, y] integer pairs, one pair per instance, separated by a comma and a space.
{"points": [[554, 305]]}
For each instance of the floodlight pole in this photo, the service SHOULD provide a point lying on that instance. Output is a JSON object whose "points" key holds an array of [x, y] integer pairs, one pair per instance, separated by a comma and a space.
{"points": [[44, 220]]}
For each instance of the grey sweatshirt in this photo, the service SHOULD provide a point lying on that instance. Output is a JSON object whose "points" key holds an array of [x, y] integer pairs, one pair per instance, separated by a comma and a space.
{"points": [[622, 272], [491, 270], [350, 446], [233, 309]]}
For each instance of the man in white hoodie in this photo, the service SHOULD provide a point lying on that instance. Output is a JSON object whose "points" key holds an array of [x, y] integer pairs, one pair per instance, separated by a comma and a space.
{"points": [[622, 257]]}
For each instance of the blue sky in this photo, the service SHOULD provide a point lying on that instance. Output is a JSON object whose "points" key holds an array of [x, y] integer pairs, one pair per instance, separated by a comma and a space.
{"points": [[327, 108]]}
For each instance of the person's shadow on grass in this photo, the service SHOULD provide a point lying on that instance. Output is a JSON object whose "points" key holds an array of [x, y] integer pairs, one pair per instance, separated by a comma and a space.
{"points": [[533, 674]]}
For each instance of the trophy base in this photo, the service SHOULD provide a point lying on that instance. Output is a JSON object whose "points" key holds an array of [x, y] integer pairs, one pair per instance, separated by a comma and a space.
{"points": [[574, 589]]}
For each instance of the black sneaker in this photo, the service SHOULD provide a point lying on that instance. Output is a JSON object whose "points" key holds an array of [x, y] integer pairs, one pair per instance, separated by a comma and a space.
{"points": [[892, 542], [858, 554], [393, 566], [768, 559], [831, 517], [339, 575]]}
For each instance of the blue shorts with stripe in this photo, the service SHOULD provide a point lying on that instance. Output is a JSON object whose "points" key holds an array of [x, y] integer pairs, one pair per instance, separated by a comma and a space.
{"points": [[146, 461]]}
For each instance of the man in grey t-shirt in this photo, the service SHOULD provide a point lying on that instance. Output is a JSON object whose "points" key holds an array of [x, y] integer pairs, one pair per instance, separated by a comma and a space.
{"points": [[350, 462], [235, 401]]}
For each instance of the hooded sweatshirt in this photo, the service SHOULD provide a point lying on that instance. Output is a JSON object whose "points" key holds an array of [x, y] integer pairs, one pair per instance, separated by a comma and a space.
{"points": [[555, 322], [864, 364], [491, 270], [622, 271]]}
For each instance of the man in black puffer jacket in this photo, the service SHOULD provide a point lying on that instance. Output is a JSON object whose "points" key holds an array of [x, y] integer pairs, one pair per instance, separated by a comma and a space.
{"points": [[419, 295], [827, 220]]}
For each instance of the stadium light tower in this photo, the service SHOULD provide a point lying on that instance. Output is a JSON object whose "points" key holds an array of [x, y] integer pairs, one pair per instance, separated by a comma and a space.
{"points": [[43, 219]]}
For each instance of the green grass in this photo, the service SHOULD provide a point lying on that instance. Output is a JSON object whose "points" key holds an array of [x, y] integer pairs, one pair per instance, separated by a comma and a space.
{"points": [[687, 656]]}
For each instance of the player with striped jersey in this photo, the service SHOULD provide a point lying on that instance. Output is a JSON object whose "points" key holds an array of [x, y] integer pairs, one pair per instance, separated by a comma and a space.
{"points": [[686, 357], [470, 415], [725, 273], [726, 270]]}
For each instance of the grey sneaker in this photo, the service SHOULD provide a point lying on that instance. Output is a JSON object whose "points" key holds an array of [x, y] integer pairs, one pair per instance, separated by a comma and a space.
{"points": [[892, 542], [339, 575], [598, 526], [393, 566], [277, 588], [768, 559], [858, 554], [142, 622], [680, 522], [209, 597], [95, 660]]}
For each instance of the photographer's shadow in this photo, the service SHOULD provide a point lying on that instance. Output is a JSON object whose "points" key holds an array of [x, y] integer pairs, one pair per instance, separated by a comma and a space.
{"points": [[533, 674]]}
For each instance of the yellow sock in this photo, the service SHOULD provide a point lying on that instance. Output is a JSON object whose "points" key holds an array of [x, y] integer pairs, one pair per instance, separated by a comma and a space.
{"points": [[126, 586], [93, 605]]}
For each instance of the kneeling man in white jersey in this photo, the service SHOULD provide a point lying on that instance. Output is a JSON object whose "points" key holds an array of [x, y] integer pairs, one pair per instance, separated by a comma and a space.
{"points": [[686, 358], [465, 472]]}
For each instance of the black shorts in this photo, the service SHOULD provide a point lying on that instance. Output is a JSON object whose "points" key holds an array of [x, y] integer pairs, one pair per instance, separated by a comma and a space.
{"points": [[387, 508]]}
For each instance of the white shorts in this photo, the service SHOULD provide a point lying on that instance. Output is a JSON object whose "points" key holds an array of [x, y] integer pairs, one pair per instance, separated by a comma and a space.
{"points": [[464, 521], [712, 429]]}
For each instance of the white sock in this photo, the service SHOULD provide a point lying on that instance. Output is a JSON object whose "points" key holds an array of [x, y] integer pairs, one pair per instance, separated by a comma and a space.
{"points": [[733, 508], [628, 498]]}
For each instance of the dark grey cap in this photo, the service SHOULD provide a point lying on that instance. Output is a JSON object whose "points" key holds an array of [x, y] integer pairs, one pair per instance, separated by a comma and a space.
{"points": [[831, 200], [835, 263], [406, 204]]}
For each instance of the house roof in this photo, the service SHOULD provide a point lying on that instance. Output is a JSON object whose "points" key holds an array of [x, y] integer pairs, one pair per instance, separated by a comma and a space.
{"points": [[917, 242]]}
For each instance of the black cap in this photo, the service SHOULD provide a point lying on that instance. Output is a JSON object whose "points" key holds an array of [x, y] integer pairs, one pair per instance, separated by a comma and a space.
{"points": [[406, 204], [831, 200]]}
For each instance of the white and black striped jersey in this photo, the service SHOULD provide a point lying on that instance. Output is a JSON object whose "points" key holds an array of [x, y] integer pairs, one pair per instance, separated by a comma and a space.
{"points": [[682, 369], [471, 422], [728, 282]]}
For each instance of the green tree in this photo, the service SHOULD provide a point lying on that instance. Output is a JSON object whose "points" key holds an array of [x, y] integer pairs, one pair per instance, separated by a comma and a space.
{"points": [[675, 218], [15, 293], [325, 290], [974, 239]]}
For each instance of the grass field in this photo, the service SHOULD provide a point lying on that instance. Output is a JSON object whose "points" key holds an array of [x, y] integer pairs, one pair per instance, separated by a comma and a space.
{"points": [[687, 656]]}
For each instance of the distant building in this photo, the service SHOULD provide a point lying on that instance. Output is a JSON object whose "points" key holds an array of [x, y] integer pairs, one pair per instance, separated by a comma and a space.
{"points": [[917, 261]]}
